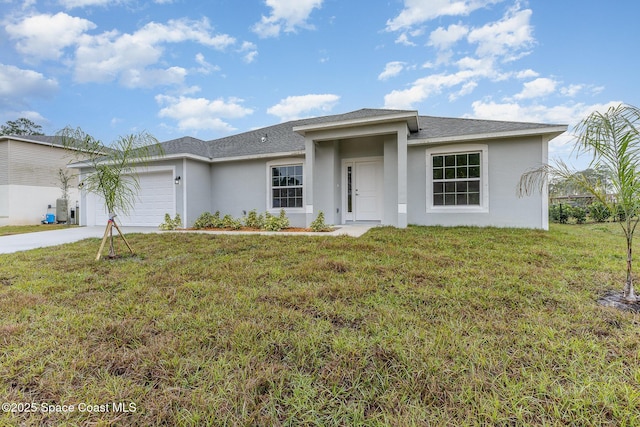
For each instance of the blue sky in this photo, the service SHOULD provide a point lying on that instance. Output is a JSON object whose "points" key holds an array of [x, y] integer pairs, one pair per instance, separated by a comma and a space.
{"points": [[210, 69]]}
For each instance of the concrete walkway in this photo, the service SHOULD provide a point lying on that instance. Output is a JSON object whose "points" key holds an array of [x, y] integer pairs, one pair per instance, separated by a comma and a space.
{"points": [[42, 239], [355, 230]]}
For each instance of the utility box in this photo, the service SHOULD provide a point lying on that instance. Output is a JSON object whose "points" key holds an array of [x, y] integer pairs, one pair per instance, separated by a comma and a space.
{"points": [[62, 210]]}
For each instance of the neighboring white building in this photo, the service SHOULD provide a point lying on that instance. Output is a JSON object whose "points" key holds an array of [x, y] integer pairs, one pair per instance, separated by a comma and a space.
{"points": [[392, 167], [29, 180]]}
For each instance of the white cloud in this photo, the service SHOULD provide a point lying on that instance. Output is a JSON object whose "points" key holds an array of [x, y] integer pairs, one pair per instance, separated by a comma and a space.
{"points": [[392, 69], [526, 74], [16, 85], [416, 12], [482, 67], [205, 67], [296, 107], [153, 77], [70, 4], [286, 15], [443, 38], [506, 38], [421, 89], [537, 88], [570, 113], [572, 90], [404, 39], [110, 56], [181, 30], [496, 42], [250, 51], [466, 89], [34, 116], [201, 113], [45, 36]]}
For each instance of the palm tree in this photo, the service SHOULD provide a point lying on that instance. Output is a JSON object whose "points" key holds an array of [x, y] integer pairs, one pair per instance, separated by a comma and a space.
{"points": [[114, 175], [613, 140]]}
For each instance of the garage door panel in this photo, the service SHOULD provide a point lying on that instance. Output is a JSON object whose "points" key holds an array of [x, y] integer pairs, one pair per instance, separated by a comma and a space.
{"points": [[156, 197]]}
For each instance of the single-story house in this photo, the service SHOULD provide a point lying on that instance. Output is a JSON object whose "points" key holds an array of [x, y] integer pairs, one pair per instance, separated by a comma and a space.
{"points": [[29, 178], [392, 167]]}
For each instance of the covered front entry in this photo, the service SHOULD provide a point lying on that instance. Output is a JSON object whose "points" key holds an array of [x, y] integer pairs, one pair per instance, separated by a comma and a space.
{"points": [[356, 169], [363, 184]]}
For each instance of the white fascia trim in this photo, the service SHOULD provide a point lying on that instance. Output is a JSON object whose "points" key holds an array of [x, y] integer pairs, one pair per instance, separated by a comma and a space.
{"points": [[82, 164], [258, 156], [179, 157], [552, 131], [411, 119]]}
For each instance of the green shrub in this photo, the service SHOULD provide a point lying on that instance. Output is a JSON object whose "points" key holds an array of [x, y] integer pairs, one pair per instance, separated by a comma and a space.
{"points": [[621, 214], [171, 224], [253, 220], [207, 220], [318, 224], [580, 214], [230, 222], [559, 213], [599, 212], [276, 223]]}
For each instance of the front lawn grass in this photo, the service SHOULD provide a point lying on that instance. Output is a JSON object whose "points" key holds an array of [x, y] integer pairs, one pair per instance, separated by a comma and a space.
{"points": [[7, 230], [422, 326]]}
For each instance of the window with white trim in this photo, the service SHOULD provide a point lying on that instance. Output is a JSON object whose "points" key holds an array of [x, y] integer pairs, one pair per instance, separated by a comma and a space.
{"points": [[457, 178], [286, 186]]}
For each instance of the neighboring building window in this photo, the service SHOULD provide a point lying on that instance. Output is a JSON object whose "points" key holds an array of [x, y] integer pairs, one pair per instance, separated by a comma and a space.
{"points": [[457, 178], [286, 186]]}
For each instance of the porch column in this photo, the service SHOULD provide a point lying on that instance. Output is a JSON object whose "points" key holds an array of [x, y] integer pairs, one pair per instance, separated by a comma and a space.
{"points": [[402, 177], [309, 161]]}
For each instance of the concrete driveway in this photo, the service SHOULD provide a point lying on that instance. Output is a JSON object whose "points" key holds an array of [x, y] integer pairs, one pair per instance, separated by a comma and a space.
{"points": [[41, 239]]}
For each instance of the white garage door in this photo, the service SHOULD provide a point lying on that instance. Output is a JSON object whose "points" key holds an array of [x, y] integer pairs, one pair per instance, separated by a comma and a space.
{"points": [[156, 197]]}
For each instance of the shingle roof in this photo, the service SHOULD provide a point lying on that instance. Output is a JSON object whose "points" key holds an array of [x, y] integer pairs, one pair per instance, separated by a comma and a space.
{"points": [[442, 127], [186, 145], [50, 140], [281, 138]]}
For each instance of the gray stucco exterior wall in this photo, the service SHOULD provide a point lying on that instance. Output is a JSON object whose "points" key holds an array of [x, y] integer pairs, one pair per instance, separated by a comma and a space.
{"points": [[326, 181], [239, 187], [197, 183], [507, 161], [390, 211]]}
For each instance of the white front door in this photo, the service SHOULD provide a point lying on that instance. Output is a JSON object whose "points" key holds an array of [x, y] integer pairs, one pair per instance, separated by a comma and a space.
{"points": [[368, 190]]}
